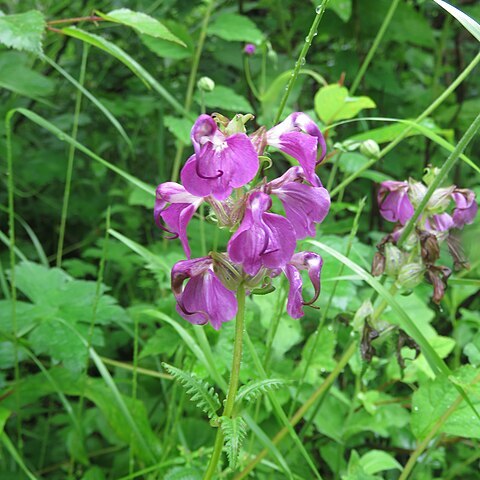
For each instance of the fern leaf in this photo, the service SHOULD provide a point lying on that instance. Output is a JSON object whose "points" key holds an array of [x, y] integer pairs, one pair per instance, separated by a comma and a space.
{"points": [[253, 390], [234, 430], [199, 391]]}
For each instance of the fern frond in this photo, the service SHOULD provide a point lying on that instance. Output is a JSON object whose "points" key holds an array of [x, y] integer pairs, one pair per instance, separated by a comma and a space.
{"points": [[234, 430], [199, 391], [253, 390]]}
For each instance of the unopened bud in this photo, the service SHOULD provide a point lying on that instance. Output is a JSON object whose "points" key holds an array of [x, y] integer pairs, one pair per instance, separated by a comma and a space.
{"points": [[206, 84], [416, 192], [430, 248], [430, 174], [410, 275], [237, 124], [249, 49], [370, 149], [393, 260]]}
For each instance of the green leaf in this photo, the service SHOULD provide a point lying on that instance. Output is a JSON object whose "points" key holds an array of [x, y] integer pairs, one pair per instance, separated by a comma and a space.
{"points": [[234, 430], [235, 28], [227, 99], [180, 127], [198, 390], [432, 400], [332, 103], [23, 31], [376, 461], [17, 77], [165, 341], [166, 49], [141, 22], [469, 23], [252, 390], [343, 8]]}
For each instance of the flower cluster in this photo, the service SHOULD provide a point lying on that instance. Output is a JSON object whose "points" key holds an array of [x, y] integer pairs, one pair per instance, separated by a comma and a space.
{"points": [[222, 173], [448, 209]]}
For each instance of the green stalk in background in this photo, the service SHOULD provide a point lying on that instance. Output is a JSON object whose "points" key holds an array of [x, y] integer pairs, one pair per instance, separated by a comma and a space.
{"points": [[71, 157], [191, 85]]}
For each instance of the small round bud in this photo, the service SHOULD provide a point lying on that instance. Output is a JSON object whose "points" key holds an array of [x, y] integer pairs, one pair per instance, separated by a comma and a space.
{"points": [[206, 84], [249, 49], [370, 149]]}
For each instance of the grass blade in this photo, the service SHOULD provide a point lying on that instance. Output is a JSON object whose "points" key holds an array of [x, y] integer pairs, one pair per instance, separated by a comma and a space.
{"points": [[468, 22]]}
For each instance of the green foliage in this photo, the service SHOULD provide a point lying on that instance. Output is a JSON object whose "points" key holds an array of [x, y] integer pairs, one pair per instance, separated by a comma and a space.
{"points": [[234, 431], [235, 28], [199, 391], [23, 31], [251, 391]]}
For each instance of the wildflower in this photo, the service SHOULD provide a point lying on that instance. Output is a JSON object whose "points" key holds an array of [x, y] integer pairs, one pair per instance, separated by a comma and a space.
{"points": [[263, 239], [221, 162], [249, 49], [312, 262], [305, 205], [204, 298], [394, 203], [180, 211], [299, 137]]}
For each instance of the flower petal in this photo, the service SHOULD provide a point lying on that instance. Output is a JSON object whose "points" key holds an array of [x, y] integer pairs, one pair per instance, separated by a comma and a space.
{"points": [[394, 203], [466, 207], [313, 263], [295, 300]]}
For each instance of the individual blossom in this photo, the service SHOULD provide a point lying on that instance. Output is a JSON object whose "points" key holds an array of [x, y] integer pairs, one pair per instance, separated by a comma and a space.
{"points": [[466, 207], [394, 202], [305, 205], [299, 136], [262, 239], [223, 160], [204, 298], [312, 263], [176, 215], [249, 49]]}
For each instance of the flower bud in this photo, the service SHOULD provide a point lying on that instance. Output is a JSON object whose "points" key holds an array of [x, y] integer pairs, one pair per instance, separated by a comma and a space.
{"points": [[430, 174], [416, 192], [410, 275], [370, 149], [378, 264], [237, 124], [393, 260], [249, 49], [438, 277], [205, 84], [440, 200], [430, 249]]}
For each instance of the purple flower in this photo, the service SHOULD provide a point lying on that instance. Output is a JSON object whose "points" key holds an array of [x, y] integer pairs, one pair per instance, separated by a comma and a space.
{"points": [[180, 211], [220, 163], [465, 207], [249, 49], [299, 137], [204, 298], [263, 239], [312, 262], [304, 204], [393, 201]]}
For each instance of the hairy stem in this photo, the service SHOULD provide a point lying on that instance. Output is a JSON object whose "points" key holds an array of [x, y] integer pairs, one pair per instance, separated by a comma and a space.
{"points": [[233, 384]]}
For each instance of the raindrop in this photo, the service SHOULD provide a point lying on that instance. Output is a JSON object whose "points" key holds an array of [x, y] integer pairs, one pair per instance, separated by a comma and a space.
{"points": [[415, 408], [322, 370], [318, 9], [314, 34], [329, 328], [307, 39], [61, 137], [302, 61]]}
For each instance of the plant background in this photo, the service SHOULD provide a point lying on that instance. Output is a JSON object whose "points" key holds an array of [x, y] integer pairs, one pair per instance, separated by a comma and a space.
{"points": [[113, 411]]}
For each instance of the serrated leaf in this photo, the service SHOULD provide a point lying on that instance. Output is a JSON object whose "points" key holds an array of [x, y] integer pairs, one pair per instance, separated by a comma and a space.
{"points": [[333, 103], [141, 22], [23, 31], [235, 28], [234, 430], [252, 390], [198, 390]]}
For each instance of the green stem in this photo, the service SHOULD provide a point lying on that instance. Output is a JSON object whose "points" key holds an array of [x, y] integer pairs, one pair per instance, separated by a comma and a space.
{"points": [[375, 44], [191, 84], [301, 58], [442, 175], [71, 157], [407, 130], [248, 77], [234, 378]]}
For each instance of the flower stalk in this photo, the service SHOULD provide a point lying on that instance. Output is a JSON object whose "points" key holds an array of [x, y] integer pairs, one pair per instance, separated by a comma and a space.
{"points": [[234, 380]]}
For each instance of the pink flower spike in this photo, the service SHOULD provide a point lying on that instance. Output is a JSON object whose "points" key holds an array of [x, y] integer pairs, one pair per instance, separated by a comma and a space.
{"points": [[299, 137], [180, 211], [204, 298]]}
